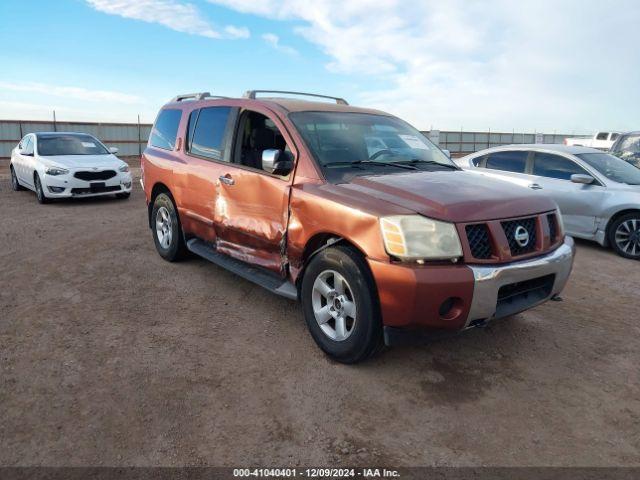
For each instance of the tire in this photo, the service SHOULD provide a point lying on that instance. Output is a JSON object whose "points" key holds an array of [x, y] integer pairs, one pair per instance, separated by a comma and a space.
{"points": [[361, 336], [42, 199], [624, 235], [167, 232], [123, 196], [15, 183]]}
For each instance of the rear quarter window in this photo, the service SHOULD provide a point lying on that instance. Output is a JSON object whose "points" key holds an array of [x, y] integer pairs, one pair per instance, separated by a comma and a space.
{"points": [[165, 130]]}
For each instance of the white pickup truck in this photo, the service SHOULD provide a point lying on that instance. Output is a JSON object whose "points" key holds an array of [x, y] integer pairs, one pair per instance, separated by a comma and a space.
{"points": [[601, 140]]}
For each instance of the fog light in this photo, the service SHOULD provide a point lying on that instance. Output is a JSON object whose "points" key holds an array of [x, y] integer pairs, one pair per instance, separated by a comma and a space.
{"points": [[126, 184], [56, 189], [451, 308], [446, 306]]}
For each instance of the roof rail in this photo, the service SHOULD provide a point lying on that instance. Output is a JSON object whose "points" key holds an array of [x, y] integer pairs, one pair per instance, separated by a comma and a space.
{"points": [[194, 96], [252, 94]]}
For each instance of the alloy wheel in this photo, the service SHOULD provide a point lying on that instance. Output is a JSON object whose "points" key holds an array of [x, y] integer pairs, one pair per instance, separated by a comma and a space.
{"points": [[627, 236], [334, 305], [163, 227], [39, 192]]}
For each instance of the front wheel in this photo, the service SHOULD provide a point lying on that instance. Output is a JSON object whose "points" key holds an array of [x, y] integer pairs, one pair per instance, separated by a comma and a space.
{"points": [[167, 233], [15, 183], [624, 236], [340, 305], [42, 199]]}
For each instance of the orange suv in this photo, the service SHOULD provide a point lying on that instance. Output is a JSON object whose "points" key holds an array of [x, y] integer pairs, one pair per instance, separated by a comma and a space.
{"points": [[351, 211]]}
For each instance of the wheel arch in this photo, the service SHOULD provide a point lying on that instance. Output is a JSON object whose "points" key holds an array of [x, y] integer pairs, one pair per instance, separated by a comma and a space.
{"points": [[321, 241], [619, 214], [157, 189]]}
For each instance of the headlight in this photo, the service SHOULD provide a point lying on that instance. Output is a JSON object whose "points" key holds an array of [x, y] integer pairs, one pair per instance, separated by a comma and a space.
{"points": [[124, 168], [413, 237], [56, 171]]}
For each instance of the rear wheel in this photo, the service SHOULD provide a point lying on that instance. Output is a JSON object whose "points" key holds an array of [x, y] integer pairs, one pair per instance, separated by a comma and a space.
{"points": [[340, 305], [624, 235], [15, 184], [39, 190], [167, 233]]}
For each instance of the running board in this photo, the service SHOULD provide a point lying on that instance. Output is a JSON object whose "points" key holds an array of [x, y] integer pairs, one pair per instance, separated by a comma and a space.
{"points": [[258, 275]]}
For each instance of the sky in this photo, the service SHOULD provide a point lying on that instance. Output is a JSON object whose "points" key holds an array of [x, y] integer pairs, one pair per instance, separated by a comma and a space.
{"points": [[565, 66]]}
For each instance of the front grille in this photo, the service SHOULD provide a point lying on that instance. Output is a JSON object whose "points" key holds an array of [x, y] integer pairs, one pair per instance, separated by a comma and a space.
{"points": [[479, 241], [512, 230], [90, 176], [516, 297], [100, 189], [553, 227]]}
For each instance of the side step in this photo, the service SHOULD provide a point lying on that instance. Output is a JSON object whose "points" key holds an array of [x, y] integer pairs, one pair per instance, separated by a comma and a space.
{"points": [[258, 275]]}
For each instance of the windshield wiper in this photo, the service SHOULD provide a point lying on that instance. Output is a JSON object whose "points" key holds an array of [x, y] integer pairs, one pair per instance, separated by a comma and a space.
{"points": [[415, 161], [404, 166]]}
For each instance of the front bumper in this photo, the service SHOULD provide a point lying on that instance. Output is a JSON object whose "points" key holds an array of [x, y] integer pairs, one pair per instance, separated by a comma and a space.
{"points": [[447, 298], [67, 186]]}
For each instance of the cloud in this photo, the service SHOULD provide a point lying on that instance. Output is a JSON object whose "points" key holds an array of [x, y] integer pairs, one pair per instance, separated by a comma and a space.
{"points": [[181, 17], [77, 93], [496, 64], [274, 41]]}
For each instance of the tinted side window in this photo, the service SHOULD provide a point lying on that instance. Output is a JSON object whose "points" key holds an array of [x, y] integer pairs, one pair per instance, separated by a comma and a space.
{"points": [[165, 130], [602, 136], [508, 161], [614, 136], [209, 131], [554, 166]]}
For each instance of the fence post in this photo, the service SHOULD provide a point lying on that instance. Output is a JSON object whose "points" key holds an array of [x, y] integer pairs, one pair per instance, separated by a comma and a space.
{"points": [[139, 138], [55, 127]]}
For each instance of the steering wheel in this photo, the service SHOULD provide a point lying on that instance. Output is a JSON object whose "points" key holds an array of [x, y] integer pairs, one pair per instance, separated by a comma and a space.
{"points": [[380, 152]]}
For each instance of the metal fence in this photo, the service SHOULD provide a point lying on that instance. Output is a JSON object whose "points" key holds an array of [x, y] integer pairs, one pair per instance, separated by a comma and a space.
{"points": [[129, 138], [463, 143]]}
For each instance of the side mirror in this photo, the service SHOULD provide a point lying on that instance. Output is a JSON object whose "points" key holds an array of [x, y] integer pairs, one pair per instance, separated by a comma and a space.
{"points": [[276, 162], [582, 178], [447, 153], [113, 150]]}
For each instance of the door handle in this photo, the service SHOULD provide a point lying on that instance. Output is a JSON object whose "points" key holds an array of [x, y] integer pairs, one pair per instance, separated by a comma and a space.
{"points": [[227, 179], [535, 186]]}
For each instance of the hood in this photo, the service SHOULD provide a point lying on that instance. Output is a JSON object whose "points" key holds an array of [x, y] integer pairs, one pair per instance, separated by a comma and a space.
{"points": [[84, 161], [454, 196]]}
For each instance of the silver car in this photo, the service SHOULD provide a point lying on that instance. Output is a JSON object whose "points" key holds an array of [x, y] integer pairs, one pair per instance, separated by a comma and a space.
{"points": [[598, 193]]}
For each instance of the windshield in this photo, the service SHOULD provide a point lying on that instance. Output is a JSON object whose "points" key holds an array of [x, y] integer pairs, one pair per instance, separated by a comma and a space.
{"points": [[365, 144], [612, 167], [67, 144]]}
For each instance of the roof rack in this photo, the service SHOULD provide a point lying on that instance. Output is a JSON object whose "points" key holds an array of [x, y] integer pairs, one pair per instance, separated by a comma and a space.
{"points": [[252, 94], [194, 96]]}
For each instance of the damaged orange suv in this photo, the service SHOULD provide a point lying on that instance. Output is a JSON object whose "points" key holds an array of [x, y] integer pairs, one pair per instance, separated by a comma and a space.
{"points": [[351, 211]]}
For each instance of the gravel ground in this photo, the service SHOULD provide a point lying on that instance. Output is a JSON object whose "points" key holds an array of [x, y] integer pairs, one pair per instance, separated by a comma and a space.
{"points": [[112, 356]]}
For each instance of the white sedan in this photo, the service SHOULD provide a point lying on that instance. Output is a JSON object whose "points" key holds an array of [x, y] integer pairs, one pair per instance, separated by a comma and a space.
{"points": [[64, 165]]}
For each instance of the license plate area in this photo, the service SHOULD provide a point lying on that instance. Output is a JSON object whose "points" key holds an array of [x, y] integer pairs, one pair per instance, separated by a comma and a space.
{"points": [[97, 186]]}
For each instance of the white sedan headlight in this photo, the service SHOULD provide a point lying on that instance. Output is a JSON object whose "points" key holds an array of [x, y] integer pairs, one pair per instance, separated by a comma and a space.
{"points": [[414, 237], [124, 168], [56, 171]]}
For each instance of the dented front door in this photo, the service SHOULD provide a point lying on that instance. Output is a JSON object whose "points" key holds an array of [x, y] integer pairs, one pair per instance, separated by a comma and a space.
{"points": [[251, 216]]}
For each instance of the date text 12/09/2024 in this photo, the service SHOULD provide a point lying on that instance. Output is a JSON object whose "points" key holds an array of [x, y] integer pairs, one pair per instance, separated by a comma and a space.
{"points": [[315, 473]]}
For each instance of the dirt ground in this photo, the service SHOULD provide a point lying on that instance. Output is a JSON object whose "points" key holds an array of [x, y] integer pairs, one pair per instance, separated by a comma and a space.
{"points": [[111, 356]]}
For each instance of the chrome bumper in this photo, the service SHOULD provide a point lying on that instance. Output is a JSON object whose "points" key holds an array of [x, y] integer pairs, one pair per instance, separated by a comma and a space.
{"points": [[489, 280]]}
